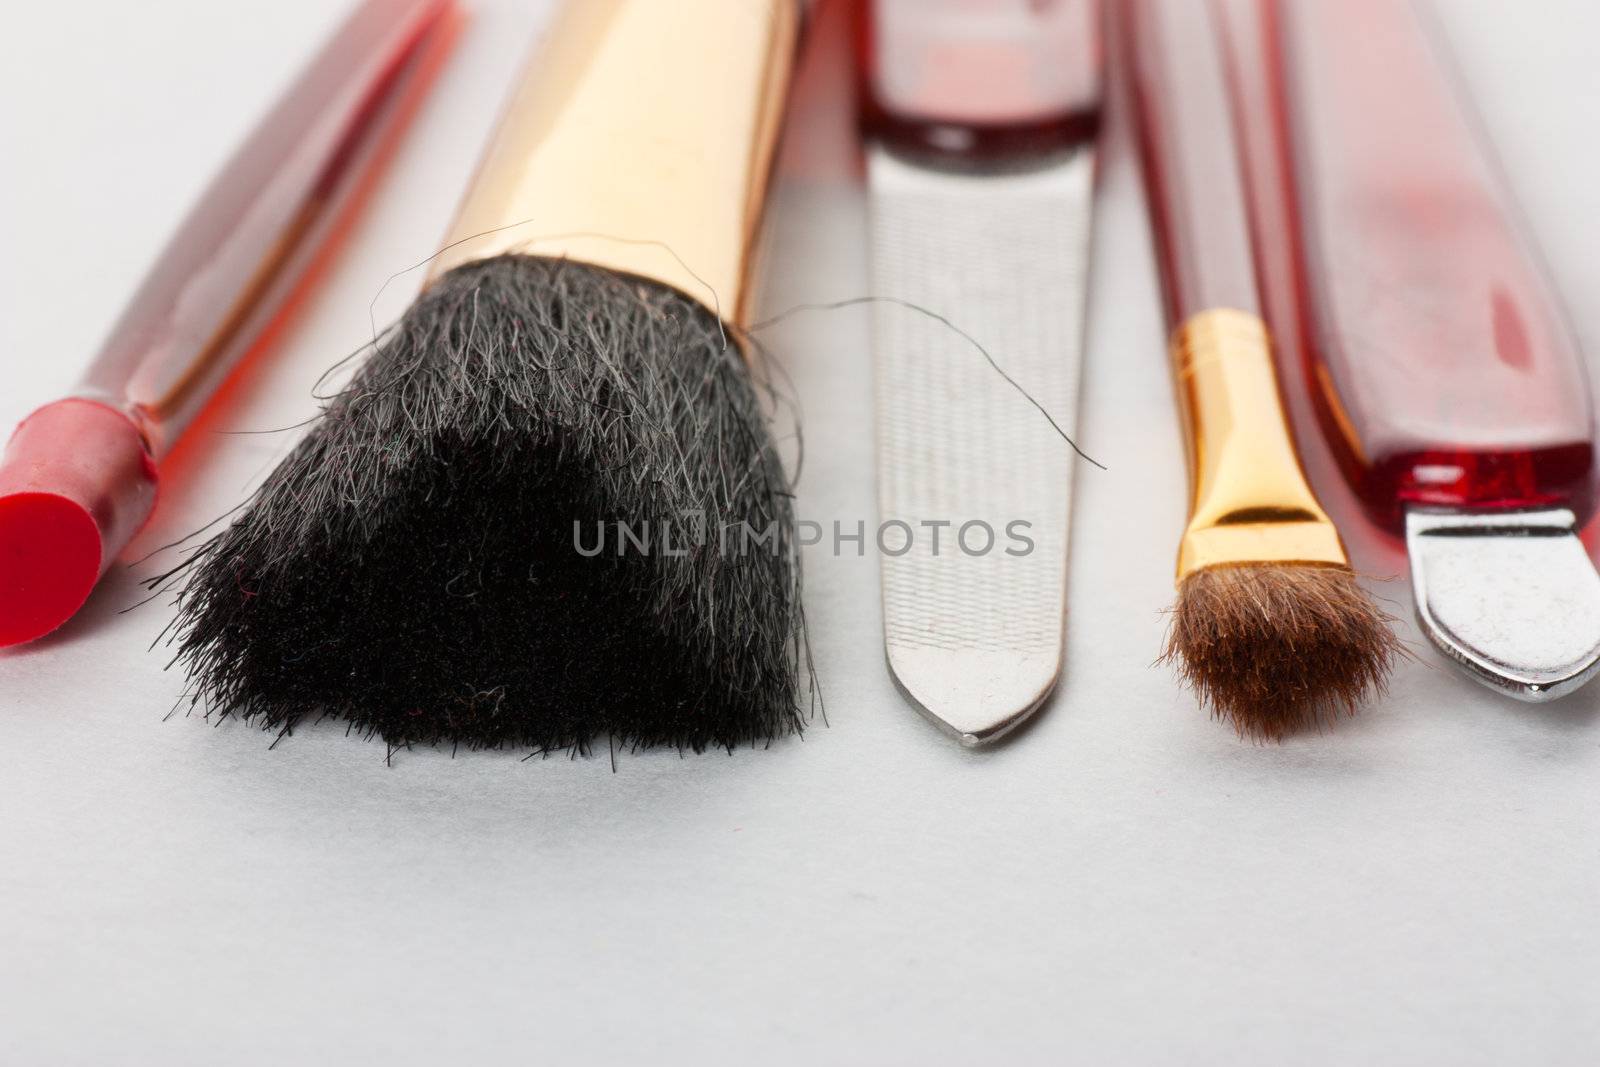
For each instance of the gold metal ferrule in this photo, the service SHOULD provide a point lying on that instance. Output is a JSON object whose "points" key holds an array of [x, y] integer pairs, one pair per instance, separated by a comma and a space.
{"points": [[1251, 501], [639, 139]]}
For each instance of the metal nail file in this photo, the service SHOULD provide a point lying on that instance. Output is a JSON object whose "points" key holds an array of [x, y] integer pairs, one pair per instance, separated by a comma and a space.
{"points": [[1446, 374], [981, 118]]}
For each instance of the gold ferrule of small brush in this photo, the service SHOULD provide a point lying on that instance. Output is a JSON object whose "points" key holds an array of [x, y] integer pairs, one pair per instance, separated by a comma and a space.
{"points": [[1251, 502], [639, 139]]}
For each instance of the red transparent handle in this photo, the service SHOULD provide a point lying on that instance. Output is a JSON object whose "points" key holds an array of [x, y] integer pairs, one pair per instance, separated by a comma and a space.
{"points": [[1191, 167], [235, 262], [982, 79], [1445, 368]]}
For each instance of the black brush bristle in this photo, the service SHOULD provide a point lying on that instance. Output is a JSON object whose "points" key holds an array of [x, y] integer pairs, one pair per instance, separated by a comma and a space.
{"points": [[411, 566]]}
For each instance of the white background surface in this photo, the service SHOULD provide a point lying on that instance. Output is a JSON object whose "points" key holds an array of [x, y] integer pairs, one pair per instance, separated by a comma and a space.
{"points": [[1126, 883]]}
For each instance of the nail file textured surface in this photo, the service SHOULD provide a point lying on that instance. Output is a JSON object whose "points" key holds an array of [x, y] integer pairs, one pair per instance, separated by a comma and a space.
{"points": [[974, 637], [1511, 596]]}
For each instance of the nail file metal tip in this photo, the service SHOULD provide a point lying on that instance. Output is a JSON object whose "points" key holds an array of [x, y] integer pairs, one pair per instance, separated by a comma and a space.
{"points": [[1511, 596], [975, 640], [975, 697]]}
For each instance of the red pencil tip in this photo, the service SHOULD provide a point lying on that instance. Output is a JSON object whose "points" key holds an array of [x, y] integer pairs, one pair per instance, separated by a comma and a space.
{"points": [[49, 561], [75, 485]]}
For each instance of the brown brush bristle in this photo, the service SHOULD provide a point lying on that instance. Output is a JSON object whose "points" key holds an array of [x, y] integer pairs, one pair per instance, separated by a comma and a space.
{"points": [[1280, 648]]}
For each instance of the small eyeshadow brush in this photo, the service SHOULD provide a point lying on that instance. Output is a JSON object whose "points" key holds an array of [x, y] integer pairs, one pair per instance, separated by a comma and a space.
{"points": [[79, 476], [1271, 628], [428, 563]]}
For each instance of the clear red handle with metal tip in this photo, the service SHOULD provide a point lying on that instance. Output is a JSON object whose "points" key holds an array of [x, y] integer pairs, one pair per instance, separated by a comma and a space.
{"points": [[1444, 369], [981, 82], [78, 478]]}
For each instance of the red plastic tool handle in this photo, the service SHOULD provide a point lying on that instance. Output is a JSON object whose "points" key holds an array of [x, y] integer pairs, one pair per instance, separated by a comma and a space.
{"points": [[78, 478], [1445, 371], [1191, 168], [982, 80], [235, 262]]}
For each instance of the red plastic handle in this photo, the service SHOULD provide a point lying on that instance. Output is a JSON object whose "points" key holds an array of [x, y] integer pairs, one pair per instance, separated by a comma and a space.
{"points": [[1191, 168], [1446, 372], [235, 262], [982, 80]]}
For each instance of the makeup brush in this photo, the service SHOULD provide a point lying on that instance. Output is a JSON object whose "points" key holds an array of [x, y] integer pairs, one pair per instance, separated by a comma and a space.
{"points": [[1271, 627], [79, 476], [548, 507]]}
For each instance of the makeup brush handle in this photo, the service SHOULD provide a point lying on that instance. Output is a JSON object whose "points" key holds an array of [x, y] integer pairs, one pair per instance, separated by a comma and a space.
{"points": [[258, 227], [1250, 501], [982, 81], [639, 139], [1192, 171], [1446, 371]]}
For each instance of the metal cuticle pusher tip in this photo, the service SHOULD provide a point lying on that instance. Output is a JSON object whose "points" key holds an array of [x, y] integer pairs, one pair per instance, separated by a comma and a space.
{"points": [[1511, 596]]}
